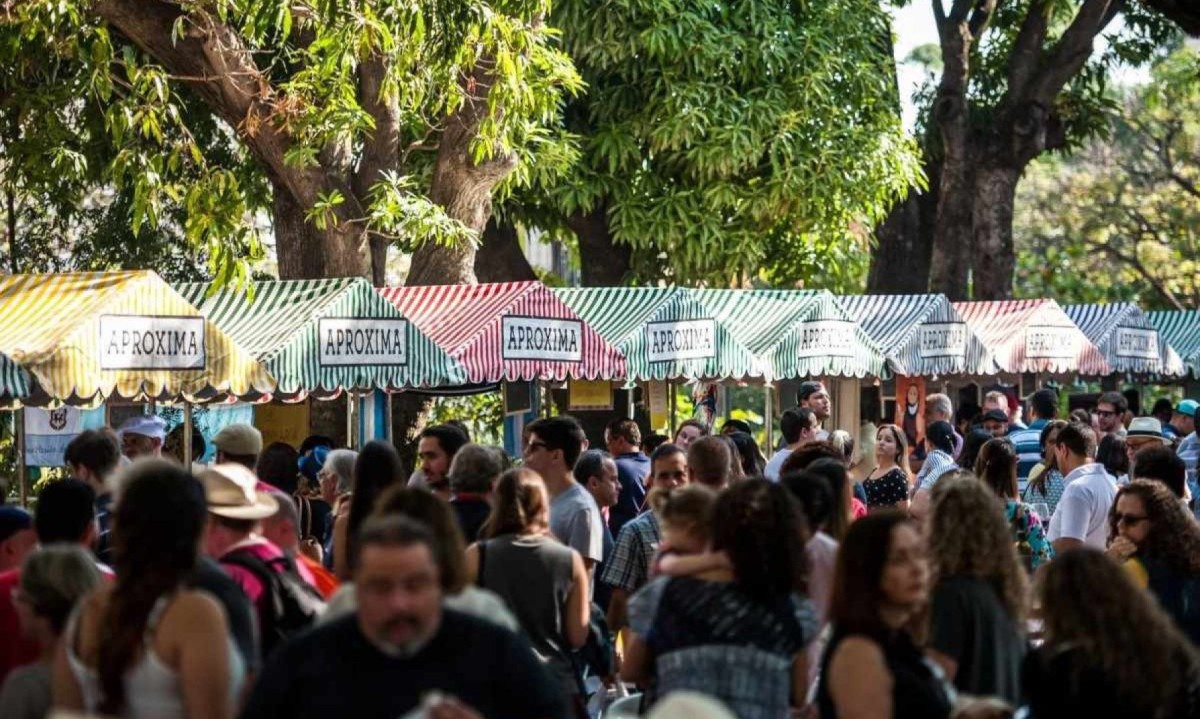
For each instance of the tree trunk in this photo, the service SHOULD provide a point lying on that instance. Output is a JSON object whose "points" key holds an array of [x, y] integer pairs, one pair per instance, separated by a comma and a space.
{"points": [[500, 257], [304, 252], [904, 243], [603, 262], [410, 414], [994, 260]]}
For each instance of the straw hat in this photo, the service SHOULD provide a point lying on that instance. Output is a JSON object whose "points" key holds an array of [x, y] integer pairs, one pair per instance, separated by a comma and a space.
{"points": [[1146, 427], [231, 492]]}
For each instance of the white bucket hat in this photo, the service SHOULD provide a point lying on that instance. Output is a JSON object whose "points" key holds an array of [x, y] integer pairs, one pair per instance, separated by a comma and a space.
{"points": [[231, 491]]}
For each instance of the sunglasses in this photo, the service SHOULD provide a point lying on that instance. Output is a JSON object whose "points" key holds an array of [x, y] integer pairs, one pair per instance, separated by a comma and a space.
{"points": [[1103, 413], [1130, 520]]}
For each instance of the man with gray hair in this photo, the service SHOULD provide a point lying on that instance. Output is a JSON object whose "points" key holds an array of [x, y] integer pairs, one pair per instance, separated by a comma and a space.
{"points": [[938, 408], [283, 530], [473, 472]]}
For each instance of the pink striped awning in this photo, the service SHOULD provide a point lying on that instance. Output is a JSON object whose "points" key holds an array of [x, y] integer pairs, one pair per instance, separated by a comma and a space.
{"points": [[514, 331], [1033, 336]]}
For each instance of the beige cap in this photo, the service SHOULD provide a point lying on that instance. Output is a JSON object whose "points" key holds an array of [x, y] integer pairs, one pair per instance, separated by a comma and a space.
{"points": [[239, 439], [231, 492]]}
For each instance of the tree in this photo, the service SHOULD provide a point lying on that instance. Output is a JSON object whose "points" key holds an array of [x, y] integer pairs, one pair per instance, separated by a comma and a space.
{"points": [[1120, 219], [1018, 79], [372, 122], [725, 143]]}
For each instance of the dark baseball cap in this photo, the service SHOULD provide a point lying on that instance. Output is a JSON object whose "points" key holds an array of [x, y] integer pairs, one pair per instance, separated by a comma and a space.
{"points": [[13, 520], [995, 415]]}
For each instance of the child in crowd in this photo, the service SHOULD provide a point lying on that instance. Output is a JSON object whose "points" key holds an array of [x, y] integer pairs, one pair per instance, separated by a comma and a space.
{"points": [[685, 521]]}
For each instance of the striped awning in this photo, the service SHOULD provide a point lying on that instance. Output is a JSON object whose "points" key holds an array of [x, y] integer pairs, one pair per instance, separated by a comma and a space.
{"points": [[920, 335], [98, 334], [664, 333], [327, 335], [796, 333], [1130, 343], [1181, 330], [513, 331], [1033, 336], [14, 381]]}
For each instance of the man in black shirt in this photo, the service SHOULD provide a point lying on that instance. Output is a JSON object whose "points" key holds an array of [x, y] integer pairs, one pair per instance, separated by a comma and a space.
{"points": [[401, 650]]}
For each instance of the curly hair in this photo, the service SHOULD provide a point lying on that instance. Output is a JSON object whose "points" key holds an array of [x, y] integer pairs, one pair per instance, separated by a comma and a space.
{"points": [[1174, 536], [969, 536], [1091, 605], [756, 523]]}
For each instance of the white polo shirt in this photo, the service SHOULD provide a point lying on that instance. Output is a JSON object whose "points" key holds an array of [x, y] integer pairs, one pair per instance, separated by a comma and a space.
{"points": [[1082, 513]]}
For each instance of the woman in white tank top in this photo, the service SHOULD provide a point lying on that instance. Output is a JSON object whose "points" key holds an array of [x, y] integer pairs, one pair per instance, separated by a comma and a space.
{"points": [[145, 647]]}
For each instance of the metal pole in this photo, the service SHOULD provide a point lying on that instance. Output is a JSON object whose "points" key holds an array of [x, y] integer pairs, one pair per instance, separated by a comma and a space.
{"points": [[629, 407], [387, 416], [769, 415], [350, 434], [19, 432], [187, 435], [671, 391]]}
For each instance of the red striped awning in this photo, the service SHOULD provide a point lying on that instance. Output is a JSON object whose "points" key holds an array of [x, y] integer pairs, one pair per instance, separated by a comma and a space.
{"points": [[514, 331], [1033, 336]]}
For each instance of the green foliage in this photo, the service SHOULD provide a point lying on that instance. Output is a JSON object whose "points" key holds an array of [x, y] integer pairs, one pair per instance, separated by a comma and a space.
{"points": [[725, 137], [1119, 220], [482, 413], [114, 117]]}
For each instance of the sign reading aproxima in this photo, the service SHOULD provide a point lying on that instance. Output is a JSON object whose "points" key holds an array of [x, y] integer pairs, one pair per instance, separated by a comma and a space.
{"points": [[826, 338], [943, 339], [685, 339], [151, 342], [541, 338], [1139, 343], [1047, 342], [352, 341]]}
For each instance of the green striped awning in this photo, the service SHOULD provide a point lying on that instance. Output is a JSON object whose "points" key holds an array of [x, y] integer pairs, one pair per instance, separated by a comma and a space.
{"points": [[796, 333], [921, 335], [664, 333], [1130, 343], [14, 382], [327, 335], [1181, 330]]}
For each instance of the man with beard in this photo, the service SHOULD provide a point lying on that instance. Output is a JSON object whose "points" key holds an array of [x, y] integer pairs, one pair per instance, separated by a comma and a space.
{"points": [[402, 651]]}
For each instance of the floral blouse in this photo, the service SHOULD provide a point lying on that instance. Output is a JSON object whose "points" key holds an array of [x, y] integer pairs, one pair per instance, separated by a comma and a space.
{"points": [[1028, 533]]}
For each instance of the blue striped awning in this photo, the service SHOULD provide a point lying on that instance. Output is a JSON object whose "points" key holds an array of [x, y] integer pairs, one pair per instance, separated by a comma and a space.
{"points": [[1129, 341], [1181, 330], [921, 335]]}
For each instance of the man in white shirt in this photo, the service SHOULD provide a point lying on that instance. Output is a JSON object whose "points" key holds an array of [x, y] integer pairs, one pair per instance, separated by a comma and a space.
{"points": [[799, 427], [1081, 518]]}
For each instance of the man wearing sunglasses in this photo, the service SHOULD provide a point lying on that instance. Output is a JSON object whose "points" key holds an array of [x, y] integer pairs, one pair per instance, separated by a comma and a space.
{"points": [[1108, 416], [1081, 517]]}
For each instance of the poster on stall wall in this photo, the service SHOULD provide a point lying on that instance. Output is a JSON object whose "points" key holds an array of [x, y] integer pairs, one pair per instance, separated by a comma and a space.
{"points": [[49, 431], [590, 394], [659, 408], [282, 422], [910, 409]]}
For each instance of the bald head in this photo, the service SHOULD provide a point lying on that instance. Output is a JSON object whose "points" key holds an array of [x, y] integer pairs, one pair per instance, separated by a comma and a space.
{"points": [[283, 528]]}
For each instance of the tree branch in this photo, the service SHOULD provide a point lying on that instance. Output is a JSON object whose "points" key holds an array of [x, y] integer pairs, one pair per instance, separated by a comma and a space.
{"points": [[1027, 49], [1072, 50]]}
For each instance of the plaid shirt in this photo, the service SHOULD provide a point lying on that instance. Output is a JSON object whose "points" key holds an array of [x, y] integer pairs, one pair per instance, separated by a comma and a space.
{"points": [[629, 567]]}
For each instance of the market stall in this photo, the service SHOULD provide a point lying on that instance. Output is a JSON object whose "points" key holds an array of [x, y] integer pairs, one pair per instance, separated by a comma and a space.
{"points": [[1181, 330]]}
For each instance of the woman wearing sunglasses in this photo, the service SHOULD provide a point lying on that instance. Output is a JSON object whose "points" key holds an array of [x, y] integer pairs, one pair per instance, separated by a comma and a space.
{"points": [[1151, 532]]}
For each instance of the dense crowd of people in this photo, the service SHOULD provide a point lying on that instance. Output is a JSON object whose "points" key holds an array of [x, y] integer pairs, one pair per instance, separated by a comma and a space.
{"points": [[972, 567]]}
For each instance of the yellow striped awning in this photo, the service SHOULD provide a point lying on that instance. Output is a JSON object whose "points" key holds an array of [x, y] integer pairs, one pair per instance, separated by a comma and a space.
{"points": [[84, 335]]}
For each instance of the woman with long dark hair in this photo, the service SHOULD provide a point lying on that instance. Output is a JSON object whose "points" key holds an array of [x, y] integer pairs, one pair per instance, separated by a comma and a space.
{"points": [[1046, 482], [873, 666], [996, 467], [735, 632], [1108, 649], [748, 454], [543, 582], [376, 468], [146, 646], [888, 486], [1153, 534]]}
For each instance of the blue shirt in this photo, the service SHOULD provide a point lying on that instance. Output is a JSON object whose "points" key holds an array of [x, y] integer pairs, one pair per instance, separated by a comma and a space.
{"points": [[1028, 443], [632, 470]]}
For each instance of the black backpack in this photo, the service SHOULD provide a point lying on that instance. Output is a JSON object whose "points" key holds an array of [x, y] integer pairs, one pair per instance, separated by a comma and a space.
{"points": [[289, 604]]}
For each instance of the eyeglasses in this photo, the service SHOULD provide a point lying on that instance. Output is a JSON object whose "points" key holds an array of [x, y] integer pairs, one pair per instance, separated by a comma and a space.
{"points": [[531, 446], [1103, 413], [1130, 520]]}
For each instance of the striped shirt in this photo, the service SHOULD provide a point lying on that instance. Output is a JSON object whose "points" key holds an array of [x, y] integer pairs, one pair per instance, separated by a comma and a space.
{"points": [[936, 464], [1028, 443], [629, 566]]}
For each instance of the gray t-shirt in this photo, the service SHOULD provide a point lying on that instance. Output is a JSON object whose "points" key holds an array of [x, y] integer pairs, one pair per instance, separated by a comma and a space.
{"points": [[969, 624], [26, 693], [575, 520]]}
